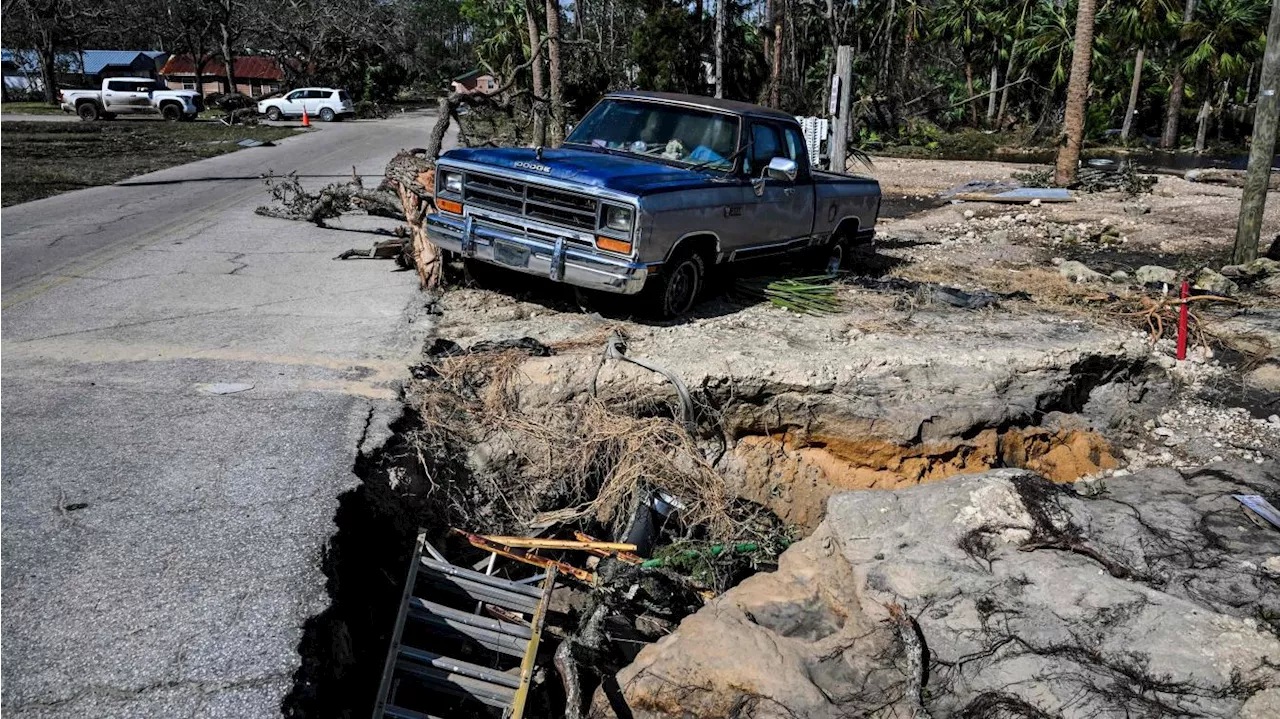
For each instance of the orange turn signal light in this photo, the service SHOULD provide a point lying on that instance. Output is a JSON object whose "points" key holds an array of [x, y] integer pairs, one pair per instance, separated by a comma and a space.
{"points": [[612, 245], [449, 206]]}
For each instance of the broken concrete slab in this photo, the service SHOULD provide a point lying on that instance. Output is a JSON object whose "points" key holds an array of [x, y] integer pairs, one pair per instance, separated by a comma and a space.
{"points": [[1151, 596]]}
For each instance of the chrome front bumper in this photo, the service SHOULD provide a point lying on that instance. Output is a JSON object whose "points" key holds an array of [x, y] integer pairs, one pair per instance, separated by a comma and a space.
{"points": [[557, 259]]}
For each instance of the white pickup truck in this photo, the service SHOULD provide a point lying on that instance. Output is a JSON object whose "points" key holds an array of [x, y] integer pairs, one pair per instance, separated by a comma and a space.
{"points": [[132, 96]]}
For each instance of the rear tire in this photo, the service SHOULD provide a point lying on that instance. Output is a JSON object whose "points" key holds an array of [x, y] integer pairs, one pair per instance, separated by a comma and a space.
{"points": [[327, 114], [87, 111], [833, 256], [674, 292], [172, 113], [273, 114]]}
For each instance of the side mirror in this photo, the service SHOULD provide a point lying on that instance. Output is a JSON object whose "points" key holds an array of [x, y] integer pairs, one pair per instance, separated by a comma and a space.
{"points": [[782, 169]]}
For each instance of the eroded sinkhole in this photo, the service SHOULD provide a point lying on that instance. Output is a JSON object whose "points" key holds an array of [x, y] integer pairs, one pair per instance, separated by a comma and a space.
{"points": [[793, 473], [481, 448]]}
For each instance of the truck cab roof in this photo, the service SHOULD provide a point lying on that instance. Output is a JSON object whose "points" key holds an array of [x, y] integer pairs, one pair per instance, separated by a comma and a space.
{"points": [[713, 103]]}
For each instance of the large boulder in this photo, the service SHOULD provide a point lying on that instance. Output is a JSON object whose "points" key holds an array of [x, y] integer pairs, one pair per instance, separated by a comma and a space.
{"points": [[995, 595]]}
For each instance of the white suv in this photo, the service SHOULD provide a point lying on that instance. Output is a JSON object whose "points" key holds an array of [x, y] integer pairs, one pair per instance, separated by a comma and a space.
{"points": [[323, 103]]}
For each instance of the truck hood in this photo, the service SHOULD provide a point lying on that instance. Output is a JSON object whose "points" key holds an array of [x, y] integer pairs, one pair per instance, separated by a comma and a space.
{"points": [[620, 173]]}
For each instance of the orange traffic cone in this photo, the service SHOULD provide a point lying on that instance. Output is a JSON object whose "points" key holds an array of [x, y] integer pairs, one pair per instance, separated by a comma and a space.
{"points": [[306, 121]]}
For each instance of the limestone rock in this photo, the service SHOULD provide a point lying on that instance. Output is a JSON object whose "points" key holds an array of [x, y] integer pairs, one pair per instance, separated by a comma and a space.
{"points": [[1271, 285], [1149, 599], [1259, 268], [1149, 274], [1079, 272], [1214, 283]]}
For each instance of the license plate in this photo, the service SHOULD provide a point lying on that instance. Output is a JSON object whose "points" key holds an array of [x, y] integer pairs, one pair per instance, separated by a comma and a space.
{"points": [[509, 254]]}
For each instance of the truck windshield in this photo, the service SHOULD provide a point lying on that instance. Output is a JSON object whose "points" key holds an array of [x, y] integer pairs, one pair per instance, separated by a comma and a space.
{"points": [[669, 132]]}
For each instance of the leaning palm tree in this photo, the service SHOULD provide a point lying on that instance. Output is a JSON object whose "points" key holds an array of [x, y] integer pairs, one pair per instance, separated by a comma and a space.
{"points": [[1077, 92]]}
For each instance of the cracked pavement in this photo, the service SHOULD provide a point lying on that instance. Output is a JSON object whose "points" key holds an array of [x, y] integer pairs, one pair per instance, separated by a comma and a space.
{"points": [[161, 545]]}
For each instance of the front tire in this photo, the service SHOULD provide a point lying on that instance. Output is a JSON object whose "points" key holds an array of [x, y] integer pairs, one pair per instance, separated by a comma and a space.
{"points": [[87, 111], [674, 292], [327, 114], [273, 114], [172, 113]]}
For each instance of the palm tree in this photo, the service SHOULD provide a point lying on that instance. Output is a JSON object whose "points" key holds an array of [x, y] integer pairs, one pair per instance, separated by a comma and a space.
{"points": [[1137, 25], [966, 23], [1177, 85], [1077, 92], [1228, 36], [1015, 21]]}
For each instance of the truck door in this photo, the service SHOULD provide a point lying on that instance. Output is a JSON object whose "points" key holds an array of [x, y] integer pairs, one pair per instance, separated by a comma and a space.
{"points": [[123, 97], [782, 216]]}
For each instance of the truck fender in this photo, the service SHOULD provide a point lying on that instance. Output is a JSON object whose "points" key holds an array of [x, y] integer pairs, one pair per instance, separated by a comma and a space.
{"points": [[705, 241], [847, 230]]}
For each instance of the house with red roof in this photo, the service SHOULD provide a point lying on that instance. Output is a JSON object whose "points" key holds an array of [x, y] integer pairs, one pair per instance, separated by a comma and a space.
{"points": [[255, 75]]}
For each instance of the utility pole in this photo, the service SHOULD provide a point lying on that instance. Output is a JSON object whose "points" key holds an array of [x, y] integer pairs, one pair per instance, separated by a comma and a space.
{"points": [[841, 89], [1261, 148]]}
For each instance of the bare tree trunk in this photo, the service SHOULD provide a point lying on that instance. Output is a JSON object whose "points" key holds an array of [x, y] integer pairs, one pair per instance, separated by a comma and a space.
{"points": [[768, 26], [553, 65], [228, 60], [720, 48], [49, 72], [1173, 112], [1004, 93], [1169, 137], [968, 84], [774, 73], [1202, 122], [577, 17], [1077, 93], [991, 93], [1134, 87], [890, 14], [535, 68]]}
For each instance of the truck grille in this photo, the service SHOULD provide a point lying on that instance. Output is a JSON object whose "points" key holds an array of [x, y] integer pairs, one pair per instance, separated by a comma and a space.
{"points": [[532, 201]]}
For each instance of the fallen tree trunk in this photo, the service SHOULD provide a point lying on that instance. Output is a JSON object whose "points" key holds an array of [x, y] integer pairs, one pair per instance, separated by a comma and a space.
{"points": [[1230, 178], [411, 174]]}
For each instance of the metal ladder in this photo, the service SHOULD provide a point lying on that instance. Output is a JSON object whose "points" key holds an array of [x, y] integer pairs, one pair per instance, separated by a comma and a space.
{"points": [[415, 677]]}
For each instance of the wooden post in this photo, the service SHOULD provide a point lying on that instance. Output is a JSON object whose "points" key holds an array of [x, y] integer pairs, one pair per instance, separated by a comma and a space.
{"points": [[1261, 148], [842, 85]]}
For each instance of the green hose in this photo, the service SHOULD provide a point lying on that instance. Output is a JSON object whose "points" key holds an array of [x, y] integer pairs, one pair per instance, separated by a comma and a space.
{"points": [[714, 550]]}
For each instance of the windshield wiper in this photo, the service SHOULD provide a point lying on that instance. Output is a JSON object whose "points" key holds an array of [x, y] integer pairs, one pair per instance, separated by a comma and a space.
{"points": [[733, 156]]}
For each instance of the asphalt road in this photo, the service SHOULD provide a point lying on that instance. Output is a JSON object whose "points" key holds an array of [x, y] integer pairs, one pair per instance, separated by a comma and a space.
{"points": [[161, 542]]}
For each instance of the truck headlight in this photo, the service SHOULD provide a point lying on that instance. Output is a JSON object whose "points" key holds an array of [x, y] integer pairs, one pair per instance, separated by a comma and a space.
{"points": [[452, 181], [618, 218]]}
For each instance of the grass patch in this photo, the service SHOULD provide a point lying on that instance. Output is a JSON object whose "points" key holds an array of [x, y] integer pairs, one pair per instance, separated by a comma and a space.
{"points": [[30, 108], [49, 158]]}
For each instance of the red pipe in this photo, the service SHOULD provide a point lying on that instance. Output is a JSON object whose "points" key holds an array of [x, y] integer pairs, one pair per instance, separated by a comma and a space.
{"points": [[1183, 312]]}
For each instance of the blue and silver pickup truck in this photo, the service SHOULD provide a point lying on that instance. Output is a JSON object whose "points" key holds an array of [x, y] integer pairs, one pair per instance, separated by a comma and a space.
{"points": [[647, 195]]}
